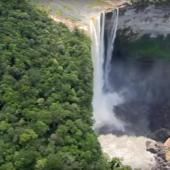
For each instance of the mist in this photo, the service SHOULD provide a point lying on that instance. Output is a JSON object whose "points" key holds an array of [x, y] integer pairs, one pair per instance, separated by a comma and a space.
{"points": [[104, 101], [129, 95]]}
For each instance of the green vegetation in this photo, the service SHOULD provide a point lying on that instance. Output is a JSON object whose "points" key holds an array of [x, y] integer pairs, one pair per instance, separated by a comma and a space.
{"points": [[45, 94], [45, 89], [144, 47], [115, 164], [95, 3], [146, 2]]}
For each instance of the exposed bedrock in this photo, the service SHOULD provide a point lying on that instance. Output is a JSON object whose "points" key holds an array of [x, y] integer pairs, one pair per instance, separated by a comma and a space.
{"points": [[161, 154], [152, 19]]}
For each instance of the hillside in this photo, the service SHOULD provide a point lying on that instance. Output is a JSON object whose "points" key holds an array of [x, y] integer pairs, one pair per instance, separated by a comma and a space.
{"points": [[45, 94], [45, 89]]}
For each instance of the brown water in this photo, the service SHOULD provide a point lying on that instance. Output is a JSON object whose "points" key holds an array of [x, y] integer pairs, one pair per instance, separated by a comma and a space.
{"points": [[130, 149]]}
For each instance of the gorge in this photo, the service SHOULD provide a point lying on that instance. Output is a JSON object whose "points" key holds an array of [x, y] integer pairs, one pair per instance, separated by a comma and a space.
{"points": [[46, 89], [131, 81]]}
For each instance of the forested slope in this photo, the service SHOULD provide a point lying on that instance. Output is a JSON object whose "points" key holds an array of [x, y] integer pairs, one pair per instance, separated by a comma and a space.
{"points": [[45, 94]]}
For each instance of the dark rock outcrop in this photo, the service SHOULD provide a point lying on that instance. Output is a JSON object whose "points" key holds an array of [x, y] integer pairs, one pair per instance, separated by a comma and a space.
{"points": [[159, 150]]}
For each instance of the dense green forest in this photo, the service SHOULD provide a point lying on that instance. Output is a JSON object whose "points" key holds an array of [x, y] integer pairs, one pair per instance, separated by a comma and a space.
{"points": [[45, 94]]}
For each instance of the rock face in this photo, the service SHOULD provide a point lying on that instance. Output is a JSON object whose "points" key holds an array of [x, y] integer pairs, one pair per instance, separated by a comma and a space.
{"points": [[167, 146], [160, 152], [167, 143], [153, 20]]}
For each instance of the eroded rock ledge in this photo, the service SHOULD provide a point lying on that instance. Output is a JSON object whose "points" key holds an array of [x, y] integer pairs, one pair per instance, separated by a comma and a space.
{"points": [[153, 20], [161, 153]]}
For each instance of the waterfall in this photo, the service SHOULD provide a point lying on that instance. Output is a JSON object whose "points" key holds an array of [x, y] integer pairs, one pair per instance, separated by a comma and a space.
{"points": [[103, 102], [105, 98], [111, 35]]}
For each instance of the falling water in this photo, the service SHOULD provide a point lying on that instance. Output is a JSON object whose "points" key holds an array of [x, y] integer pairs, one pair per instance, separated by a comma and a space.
{"points": [[105, 98], [103, 102]]}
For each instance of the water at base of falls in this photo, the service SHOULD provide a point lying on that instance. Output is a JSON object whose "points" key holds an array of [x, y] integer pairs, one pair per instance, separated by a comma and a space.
{"points": [[103, 101], [131, 149]]}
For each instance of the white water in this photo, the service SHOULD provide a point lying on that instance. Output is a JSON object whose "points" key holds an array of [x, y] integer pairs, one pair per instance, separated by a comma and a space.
{"points": [[131, 149], [103, 103]]}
